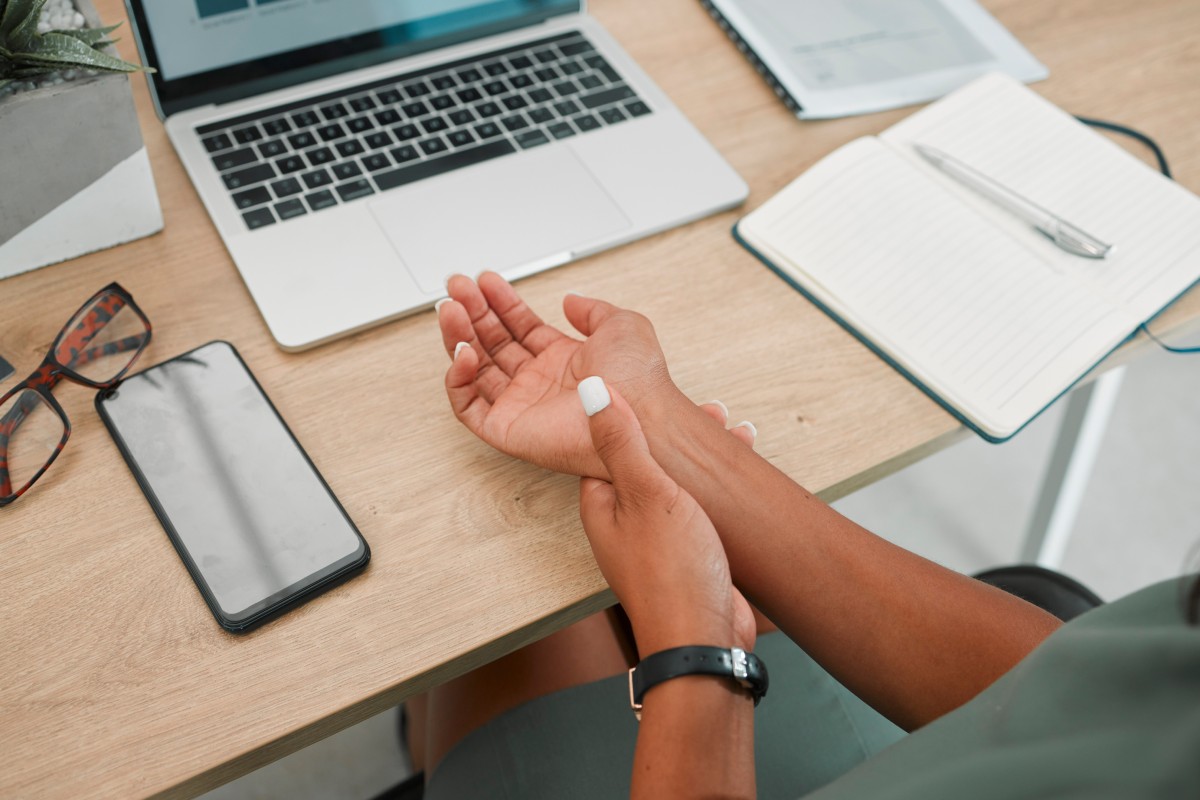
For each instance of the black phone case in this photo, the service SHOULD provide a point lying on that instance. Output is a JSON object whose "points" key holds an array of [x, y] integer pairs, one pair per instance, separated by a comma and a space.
{"points": [[283, 603]]}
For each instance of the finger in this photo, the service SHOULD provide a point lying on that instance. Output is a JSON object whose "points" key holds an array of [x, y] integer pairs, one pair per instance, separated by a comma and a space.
{"points": [[525, 326], [597, 503], [456, 327], [468, 405], [745, 431], [586, 313], [717, 410], [496, 340], [620, 443]]}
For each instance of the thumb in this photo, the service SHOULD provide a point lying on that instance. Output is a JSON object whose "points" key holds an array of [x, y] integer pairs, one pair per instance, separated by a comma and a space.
{"points": [[620, 442], [586, 313]]}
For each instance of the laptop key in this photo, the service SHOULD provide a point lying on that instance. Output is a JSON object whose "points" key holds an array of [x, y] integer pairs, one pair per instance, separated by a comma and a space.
{"points": [[514, 102], [521, 81], [330, 132], [389, 96], [334, 111], [607, 96], [566, 88], [350, 147], [405, 153], [441, 102], [546, 74], [460, 138], [443, 82], [277, 127], [576, 47], [378, 139], [461, 117], [520, 62], [418, 89], [570, 68], [290, 208], [320, 200], [258, 218], [540, 95], [272, 148], [219, 142], [637, 108], [363, 103], [488, 109], [494, 88], [248, 176], [561, 130], [590, 82], [515, 122], [322, 155], [586, 123], [406, 131], [252, 197], [302, 140], [360, 124], [316, 179], [546, 56], [540, 115], [417, 109], [247, 135], [567, 107], [456, 159], [376, 162], [355, 189], [290, 164], [487, 130], [434, 125], [388, 116], [495, 68], [346, 170], [305, 119], [470, 75], [286, 187], [612, 116], [531, 139], [469, 95], [234, 158], [433, 146]]}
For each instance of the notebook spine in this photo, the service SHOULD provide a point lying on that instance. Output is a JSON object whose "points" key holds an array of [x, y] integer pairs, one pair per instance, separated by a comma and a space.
{"points": [[776, 86]]}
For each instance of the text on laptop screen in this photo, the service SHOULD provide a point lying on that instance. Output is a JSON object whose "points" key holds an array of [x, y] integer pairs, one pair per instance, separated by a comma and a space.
{"points": [[196, 36]]}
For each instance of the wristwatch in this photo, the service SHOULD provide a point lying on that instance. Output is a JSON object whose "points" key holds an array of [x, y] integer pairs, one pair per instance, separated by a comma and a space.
{"points": [[747, 669]]}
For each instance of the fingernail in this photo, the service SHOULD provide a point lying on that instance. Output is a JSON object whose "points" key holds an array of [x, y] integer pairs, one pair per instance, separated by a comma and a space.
{"points": [[748, 424], [722, 406], [438, 305], [577, 294], [458, 348], [593, 394]]}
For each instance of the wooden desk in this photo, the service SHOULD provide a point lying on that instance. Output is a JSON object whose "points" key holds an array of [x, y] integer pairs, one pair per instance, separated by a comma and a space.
{"points": [[116, 681]]}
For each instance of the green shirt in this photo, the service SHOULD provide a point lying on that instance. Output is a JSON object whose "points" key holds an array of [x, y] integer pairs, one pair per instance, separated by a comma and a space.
{"points": [[1107, 707]]}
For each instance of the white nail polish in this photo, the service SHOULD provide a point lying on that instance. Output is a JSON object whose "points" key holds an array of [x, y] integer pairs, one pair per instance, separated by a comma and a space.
{"points": [[593, 394], [577, 294], [438, 305], [458, 348], [750, 425], [724, 408]]}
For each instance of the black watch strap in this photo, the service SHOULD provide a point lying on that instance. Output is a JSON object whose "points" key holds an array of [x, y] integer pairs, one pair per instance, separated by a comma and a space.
{"points": [[746, 669]]}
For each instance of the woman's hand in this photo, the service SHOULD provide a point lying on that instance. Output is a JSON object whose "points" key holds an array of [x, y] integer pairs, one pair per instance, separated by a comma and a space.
{"points": [[654, 544], [513, 382]]}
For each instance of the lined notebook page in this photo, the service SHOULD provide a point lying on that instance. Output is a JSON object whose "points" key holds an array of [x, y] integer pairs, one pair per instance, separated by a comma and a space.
{"points": [[1010, 133], [988, 323]]}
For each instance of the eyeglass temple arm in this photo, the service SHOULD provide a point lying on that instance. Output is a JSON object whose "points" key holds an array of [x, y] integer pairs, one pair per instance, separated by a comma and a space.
{"points": [[9, 423]]}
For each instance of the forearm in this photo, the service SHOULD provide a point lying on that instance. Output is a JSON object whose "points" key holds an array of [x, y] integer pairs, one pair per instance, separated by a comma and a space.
{"points": [[911, 638], [696, 739]]}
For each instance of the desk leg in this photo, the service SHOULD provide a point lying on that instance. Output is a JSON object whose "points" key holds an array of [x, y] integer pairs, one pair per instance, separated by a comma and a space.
{"points": [[1071, 462]]}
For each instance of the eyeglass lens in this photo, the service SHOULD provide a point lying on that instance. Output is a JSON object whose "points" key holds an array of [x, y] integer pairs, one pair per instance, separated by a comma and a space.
{"points": [[30, 432], [102, 339]]}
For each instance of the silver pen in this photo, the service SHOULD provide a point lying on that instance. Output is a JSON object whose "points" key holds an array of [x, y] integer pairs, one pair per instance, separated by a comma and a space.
{"points": [[1067, 236]]}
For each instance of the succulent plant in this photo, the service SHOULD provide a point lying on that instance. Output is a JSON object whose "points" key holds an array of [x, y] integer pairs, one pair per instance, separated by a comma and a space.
{"points": [[25, 53]]}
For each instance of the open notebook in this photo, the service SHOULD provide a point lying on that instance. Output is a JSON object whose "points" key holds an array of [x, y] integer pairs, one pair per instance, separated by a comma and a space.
{"points": [[981, 311]]}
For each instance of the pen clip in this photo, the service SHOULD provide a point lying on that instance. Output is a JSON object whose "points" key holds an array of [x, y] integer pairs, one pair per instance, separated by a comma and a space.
{"points": [[1073, 239]]}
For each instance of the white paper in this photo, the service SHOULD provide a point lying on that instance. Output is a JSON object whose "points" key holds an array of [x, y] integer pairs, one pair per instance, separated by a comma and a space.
{"points": [[841, 57]]}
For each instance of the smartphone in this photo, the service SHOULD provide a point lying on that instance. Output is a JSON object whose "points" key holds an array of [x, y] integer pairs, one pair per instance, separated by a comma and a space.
{"points": [[254, 522]]}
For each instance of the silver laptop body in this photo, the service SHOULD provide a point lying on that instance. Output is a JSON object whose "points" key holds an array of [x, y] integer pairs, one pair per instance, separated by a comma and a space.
{"points": [[334, 235]]}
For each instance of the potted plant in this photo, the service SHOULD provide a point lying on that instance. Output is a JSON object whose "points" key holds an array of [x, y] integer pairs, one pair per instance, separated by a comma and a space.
{"points": [[74, 173]]}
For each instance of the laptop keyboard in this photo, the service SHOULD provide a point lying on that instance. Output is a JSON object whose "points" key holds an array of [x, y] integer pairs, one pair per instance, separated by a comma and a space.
{"points": [[311, 155]]}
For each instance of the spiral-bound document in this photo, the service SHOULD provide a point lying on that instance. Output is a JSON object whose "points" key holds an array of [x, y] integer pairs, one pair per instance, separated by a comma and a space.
{"points": [[833, 58], [980, 310]]}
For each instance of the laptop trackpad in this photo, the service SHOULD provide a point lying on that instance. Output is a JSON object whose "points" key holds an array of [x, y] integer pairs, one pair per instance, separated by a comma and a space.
{"points": [[497, 215]]}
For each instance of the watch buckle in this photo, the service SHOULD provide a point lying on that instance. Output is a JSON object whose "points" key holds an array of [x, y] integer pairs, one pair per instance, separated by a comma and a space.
{"points": [[636, 706]]}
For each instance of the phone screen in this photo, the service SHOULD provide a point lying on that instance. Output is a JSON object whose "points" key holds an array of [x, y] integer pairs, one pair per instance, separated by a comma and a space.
{"points": [[248, 512]]}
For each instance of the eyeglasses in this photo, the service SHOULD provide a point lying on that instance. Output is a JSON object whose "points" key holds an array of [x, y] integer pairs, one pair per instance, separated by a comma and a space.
{"points": [[96, 348]]}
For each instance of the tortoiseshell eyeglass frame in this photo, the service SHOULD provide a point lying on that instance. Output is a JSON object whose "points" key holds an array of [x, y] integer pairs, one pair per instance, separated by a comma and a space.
{"points": [[101, 308]]}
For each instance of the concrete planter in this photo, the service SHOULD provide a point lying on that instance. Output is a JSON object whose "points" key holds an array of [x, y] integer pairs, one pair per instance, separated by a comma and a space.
{"points": [[74, 173]]}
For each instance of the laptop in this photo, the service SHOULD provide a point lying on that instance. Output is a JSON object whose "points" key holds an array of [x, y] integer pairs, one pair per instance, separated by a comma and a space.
{"points": [[355, 153]]}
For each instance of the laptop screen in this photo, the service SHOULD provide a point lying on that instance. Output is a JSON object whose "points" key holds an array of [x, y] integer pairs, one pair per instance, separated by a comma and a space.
{"points": [[212, 51]]}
